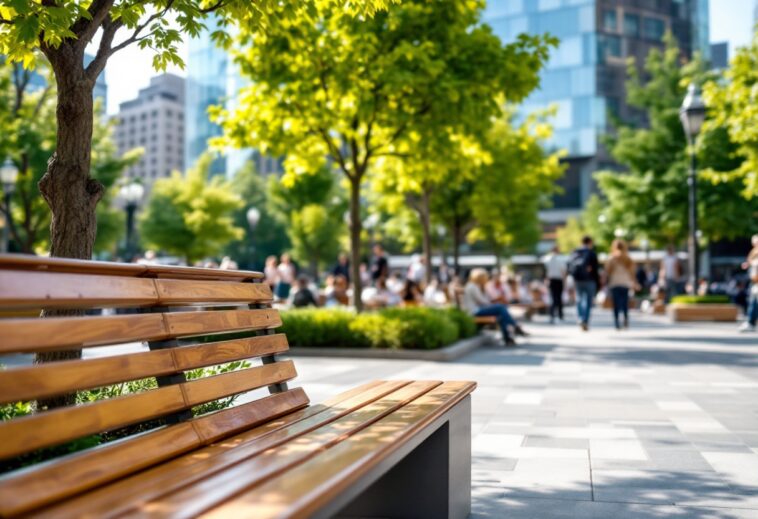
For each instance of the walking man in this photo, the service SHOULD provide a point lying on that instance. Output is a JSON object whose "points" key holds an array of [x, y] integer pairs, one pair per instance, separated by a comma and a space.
{"points": [[555, 272], [583, 267]]}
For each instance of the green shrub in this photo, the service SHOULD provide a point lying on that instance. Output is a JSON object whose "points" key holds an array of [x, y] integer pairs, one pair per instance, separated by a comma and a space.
{"points": [[390, 328], [700, 300]]}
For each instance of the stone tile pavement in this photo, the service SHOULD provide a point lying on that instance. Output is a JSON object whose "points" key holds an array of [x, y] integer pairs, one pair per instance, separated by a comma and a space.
{"points": [[657, 421]]}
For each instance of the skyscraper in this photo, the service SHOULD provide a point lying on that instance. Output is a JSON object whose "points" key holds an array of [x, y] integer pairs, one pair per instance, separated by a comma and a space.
{"points": [[155, 122], [213, 79], [585, 77]]}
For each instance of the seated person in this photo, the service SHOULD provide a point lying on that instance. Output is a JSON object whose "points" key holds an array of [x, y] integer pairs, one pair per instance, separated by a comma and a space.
{"points": [[477, 304], [302, 295]]}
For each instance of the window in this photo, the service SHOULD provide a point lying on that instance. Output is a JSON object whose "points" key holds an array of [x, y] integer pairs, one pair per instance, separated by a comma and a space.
{"points": [[154, 113], [610, 22], [608, 47], [653, 28], [632, 25], [169, 113]]}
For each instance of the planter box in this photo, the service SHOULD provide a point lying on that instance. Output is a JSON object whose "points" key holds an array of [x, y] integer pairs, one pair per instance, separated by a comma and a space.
{"points": [[679, 312]]}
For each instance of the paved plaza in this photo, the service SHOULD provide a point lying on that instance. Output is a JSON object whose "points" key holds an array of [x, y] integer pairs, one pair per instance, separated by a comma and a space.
{"points": [[657, 421]]}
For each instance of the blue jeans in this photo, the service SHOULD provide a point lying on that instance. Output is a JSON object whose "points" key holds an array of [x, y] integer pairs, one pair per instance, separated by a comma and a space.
{"points": [[752, 310], [585, 291], [504, 318], [620, 297]]}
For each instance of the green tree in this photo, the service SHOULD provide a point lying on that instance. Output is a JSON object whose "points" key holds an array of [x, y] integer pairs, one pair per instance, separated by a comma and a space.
{"points": [[732, 106], [269, 236], [354, 90], [311, 208], [191, 216], [27, 117], [61, 30], [650, 197]]}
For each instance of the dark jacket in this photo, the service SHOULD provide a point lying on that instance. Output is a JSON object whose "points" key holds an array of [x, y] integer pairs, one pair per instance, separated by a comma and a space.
{"points": [[590, 262]]}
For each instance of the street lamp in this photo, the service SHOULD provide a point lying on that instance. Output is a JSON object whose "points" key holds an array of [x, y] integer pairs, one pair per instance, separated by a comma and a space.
{"points": [[8, 176], [253, 217], [692, 115], [131, 194]]}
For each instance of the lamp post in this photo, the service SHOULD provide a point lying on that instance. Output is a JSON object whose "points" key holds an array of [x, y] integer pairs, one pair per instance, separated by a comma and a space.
{"points": [[253, 217], [8, 176], [692, 115], [131, 194]]}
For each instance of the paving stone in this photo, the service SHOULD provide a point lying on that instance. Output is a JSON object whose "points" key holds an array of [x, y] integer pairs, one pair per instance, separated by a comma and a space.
{"points": [[560, 443]]}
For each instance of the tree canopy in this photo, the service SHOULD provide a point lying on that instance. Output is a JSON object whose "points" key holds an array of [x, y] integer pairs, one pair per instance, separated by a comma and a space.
{"points": [[335, 87], [649, 198], [191, 215]]}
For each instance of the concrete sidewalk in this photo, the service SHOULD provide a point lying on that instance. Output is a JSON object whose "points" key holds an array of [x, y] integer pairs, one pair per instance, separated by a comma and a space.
{"points": [[657, 421]]}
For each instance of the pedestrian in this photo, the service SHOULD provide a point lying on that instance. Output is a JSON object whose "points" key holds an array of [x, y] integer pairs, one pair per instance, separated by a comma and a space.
{"points": [[477, 304], [584, 268], [751, 265], [342, 268], [286, 277], [270, 272], [619, 271], [380, 268], [671, 273], [555, 274], [302, 295]]}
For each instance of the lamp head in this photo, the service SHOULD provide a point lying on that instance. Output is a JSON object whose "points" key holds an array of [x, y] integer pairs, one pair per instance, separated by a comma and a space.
{"points": [[132, 193], [692, 113], [253, 217]]}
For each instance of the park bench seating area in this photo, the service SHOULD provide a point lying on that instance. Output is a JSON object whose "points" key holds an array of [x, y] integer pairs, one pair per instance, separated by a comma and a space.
{"points": [[385, 448]]}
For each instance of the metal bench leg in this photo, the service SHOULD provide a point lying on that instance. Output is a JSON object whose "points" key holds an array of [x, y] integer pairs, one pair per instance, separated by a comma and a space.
{"points": [[433, 481]]}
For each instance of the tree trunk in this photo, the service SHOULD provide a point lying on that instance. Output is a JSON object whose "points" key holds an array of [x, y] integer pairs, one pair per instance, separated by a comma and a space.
{"points": [[425, 218], [66, 186], [355, 240]]}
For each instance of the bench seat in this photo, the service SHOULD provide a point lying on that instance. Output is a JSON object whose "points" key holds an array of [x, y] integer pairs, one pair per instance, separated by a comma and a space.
{"points": [[387, 448]]}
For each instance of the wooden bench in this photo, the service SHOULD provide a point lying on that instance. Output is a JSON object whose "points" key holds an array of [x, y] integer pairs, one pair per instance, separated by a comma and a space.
{"points": [[387, 448]]}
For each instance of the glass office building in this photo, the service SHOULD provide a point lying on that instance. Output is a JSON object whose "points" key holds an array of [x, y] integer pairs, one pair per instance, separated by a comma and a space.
{"points": [[585, 76]]}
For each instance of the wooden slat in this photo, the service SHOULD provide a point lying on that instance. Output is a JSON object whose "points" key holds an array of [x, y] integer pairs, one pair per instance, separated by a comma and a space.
{"points": [[39, 381], [301, 491], [49, 483], [221, 486], [39, 263], [122, 496], [33, 335], [187, 324], [61, 425], [173, 291], [24, 289]]}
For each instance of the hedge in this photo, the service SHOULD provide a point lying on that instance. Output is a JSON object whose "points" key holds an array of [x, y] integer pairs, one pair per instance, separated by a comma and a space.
{"points": [[391, 328], [701, 300]]}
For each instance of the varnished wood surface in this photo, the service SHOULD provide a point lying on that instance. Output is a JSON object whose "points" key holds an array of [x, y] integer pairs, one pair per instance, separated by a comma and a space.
{"points": [[60, 425], [305, 488], [52, 482], [21, 289], [50, 334], [39, 263], [123, 496], [39, 381]]}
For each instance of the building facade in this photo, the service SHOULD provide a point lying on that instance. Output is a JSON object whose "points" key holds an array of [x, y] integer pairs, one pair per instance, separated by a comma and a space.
{"points": [[213, 79], [585, 77], [155, 122]]}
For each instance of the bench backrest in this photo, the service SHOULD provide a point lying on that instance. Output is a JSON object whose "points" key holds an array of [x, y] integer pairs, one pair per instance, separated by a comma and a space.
{"points": [[182, 315]]}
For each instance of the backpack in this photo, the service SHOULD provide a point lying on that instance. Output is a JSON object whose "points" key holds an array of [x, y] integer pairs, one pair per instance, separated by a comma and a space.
{"points": [[579, 265]]}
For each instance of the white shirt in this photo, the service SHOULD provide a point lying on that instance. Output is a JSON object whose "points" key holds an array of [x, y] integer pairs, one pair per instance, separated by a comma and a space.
{"points": [[671, 266], [473, 298], [556, 266]]}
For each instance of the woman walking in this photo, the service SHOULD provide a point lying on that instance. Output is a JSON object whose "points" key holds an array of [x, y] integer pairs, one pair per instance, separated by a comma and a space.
{"points": [[619, 269], [751, 265], [478, 304]]}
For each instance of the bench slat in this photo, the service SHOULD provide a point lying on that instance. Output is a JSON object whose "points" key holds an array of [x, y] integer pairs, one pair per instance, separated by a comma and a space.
{"points": [[49, 483], [39, 263], [30, 289], [304, 489], [61, 425], [122, 496], [50, 334], [39, 381], [193, 500]]}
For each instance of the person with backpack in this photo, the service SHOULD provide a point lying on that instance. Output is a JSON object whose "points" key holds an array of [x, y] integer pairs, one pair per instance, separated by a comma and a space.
{"points": [[584, 268]]}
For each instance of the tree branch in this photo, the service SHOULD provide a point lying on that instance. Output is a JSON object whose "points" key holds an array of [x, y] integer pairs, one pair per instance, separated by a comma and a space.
{"points": [[85, 29]]}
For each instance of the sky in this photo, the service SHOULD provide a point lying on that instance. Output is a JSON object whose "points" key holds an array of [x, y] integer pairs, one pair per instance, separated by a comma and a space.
{"points": [[131, 69]]}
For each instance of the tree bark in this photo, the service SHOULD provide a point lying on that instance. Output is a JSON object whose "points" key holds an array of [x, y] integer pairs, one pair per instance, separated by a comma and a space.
{"points": [[66, 186], [356, 226]]}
